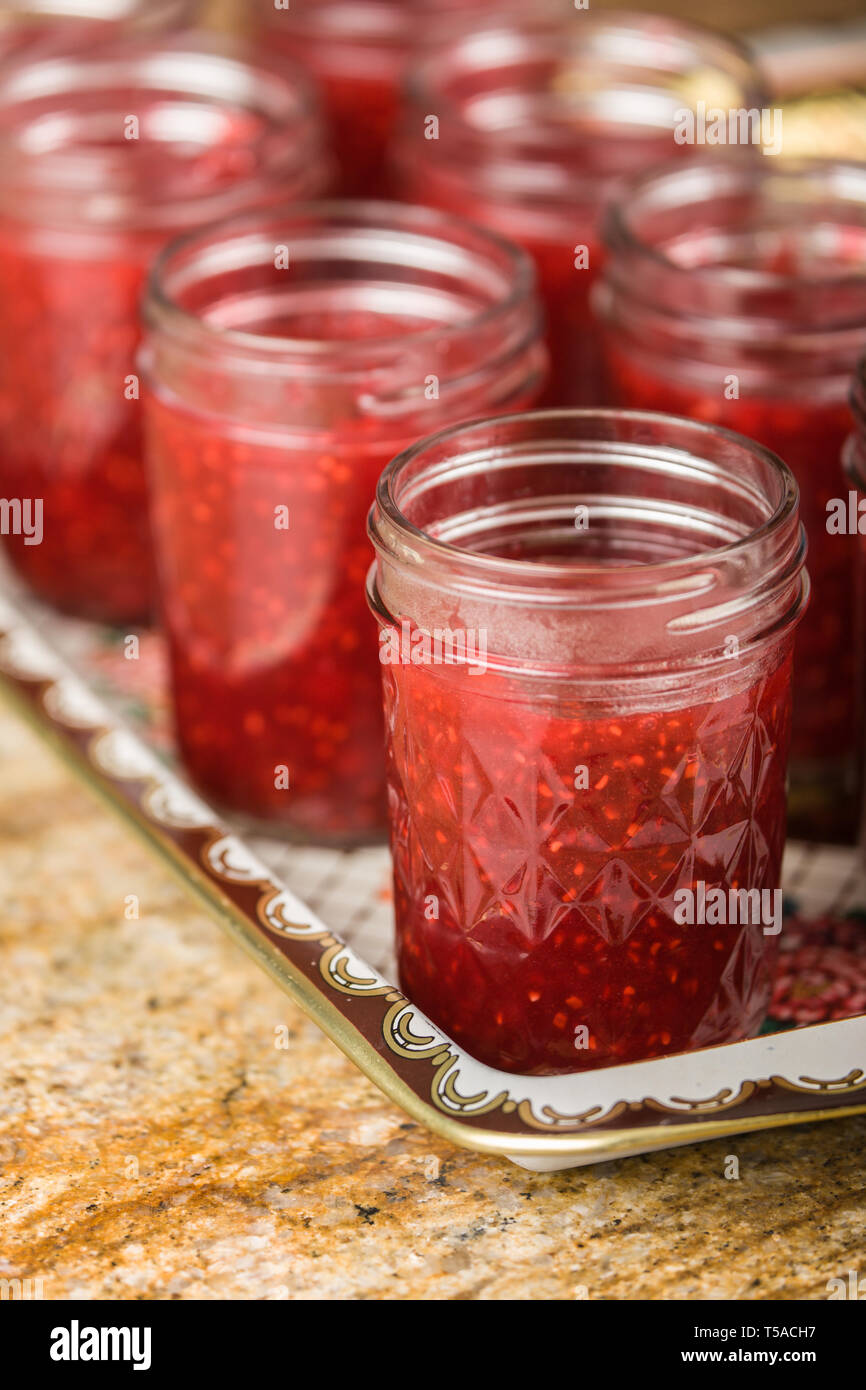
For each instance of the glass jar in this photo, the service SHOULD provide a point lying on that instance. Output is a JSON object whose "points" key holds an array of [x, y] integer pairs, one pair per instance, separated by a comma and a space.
{"points": [[358, 51], [586, 626], [106, 152], [734, 293], [289, 357], [527, 129]]}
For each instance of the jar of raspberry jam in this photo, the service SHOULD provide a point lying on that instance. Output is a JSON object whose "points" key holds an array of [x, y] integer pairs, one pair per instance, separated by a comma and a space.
{"points": [[358, 51], [528, 129], [289, 358], [734, 292], [586, 629], [107, 150]]}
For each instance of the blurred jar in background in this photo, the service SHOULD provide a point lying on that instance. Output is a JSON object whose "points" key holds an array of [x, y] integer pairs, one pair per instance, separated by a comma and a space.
{"points": [[289, 357], [734, 292], [358, 51], [854, 461], [22, 25], [526, 129], [106, 152]]}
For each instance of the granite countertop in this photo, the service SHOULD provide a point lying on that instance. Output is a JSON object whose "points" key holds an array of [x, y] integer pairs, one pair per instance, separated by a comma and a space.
{"points": [[155, 1142]]}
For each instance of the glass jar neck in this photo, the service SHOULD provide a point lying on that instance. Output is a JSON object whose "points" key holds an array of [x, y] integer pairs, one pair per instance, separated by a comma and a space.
{"points": [[593, 546], [161, 136], [329, 314], [736, 255]]}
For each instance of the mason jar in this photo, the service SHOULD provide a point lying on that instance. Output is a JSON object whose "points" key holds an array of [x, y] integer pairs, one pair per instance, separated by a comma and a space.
{"points": [[734, 293], [107, 151], [289, 355], [527, 128], [586, 629]]}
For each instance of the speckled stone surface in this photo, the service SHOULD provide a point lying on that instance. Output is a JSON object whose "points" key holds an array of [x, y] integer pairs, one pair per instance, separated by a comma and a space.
{"points": [[156, 1142]]}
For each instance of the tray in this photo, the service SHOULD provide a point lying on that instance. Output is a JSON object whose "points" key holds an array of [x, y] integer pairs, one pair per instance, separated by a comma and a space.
{"points": [[320, 923]]}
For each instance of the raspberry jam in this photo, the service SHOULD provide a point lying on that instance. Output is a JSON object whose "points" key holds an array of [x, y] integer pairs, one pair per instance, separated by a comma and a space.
{"points": [[533, 126], [106, 151], [734, 293], [290, 358], [589, 744], [358, 51]]}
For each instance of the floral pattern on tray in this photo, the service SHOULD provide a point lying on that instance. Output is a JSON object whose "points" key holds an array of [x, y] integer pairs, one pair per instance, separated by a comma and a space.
{"points": [[821, 972]]}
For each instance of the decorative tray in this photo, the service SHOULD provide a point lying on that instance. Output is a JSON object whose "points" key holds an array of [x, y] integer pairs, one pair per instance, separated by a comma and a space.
{"points": [[320, 923]]}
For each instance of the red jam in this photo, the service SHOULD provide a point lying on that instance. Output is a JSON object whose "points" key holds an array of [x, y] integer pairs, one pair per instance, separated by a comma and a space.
{"points": [[73, 439], [80, 223], [358, 51], [554, 905], [264, 455], [535, 123], [272, 650], [800, 432], [567, 260], [741, 313], [362, 112], [567, 816]]}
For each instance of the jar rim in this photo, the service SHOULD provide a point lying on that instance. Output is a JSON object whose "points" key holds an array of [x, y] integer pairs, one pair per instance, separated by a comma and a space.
{"points": [[220, 73], [512, 573], [502, 154], [164, 313], [736, 171]]}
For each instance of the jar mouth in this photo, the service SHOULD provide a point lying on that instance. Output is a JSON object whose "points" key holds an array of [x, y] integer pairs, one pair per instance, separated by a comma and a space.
{"points": [[583, 493], [176, 129], [547, 110], [414, 281], [698, 456], [738, 237]]}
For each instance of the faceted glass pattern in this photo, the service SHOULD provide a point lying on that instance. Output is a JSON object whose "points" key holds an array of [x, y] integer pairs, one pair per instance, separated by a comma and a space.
{"points": [[537, 851]]}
